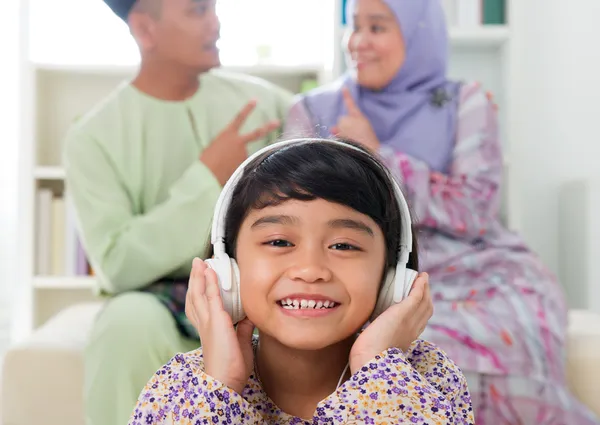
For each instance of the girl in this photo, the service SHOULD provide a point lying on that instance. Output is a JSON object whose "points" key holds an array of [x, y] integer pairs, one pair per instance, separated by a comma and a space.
{"points": [[314, 226], [499, 313]]}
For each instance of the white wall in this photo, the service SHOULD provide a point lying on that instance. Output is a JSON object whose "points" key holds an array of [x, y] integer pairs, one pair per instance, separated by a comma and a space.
{"points": [[554, 112], [553, 116], [9, 136]]}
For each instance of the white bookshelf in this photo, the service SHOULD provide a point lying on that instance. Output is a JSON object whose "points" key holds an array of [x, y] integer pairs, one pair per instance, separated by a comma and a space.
{"points": [[63, 282], [57, 93]]}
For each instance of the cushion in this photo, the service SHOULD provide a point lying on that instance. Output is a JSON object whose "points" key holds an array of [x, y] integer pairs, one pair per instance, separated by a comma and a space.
{"points": [[42, 377]]}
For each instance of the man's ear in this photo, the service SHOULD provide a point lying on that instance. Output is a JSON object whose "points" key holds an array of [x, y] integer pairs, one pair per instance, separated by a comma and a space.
{"points": [[143, 29]]}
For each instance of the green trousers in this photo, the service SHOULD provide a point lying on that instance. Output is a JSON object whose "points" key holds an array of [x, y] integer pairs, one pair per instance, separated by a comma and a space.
{"points": [[132, 338]]}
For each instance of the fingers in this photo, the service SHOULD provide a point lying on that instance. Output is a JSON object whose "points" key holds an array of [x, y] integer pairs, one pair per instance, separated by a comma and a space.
{"points": [[351, 105], [343, 128], [244, 330], [425, 308], [261, 132], [213, 294], [241, 117], [417, 291], [195, 301]]}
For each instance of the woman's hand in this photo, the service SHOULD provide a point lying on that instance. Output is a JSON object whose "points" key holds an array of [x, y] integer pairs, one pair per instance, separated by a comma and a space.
{"points": [[355, 126], [227, 351], [398, 326]]}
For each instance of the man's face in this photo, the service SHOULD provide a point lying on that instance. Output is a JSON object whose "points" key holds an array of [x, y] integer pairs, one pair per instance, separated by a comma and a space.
{"points": [[186, 33]]}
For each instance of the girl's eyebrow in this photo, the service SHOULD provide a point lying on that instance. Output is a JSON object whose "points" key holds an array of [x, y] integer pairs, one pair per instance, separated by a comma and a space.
{"points": [[347, 223], [339, 223], [276, 219]]}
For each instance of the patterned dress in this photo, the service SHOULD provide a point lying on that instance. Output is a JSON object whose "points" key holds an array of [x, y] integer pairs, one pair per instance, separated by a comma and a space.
{"points": [[424, 387], [499, 313]]}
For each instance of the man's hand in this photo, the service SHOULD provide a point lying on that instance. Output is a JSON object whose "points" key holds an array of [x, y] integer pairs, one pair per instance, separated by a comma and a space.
{"points": [[228, 150]]}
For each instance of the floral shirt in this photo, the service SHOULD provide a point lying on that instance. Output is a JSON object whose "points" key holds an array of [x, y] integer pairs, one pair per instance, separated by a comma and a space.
{"points": [[422, 387]]}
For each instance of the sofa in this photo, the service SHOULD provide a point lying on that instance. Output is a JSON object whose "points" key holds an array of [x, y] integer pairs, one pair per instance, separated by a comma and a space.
{"points": [[42, 377]]}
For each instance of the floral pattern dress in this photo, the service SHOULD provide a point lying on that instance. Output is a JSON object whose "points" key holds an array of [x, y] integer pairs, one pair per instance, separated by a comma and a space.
{"points": [[422, 387], [499, 313]]}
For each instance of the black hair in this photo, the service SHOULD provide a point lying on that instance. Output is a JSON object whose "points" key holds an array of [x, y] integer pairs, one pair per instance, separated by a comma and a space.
{"points": [[311, 170]]}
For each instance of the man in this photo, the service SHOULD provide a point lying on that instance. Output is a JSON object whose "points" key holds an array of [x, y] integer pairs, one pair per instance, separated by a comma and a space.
{"points": [[144, 170]]}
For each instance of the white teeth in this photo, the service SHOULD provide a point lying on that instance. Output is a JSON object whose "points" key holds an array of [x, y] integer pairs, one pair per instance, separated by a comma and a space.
{"points": [[290, 304]]}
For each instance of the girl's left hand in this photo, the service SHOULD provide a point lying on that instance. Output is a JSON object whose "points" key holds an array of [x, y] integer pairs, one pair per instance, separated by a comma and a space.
{"points": [[355, 126], [398, 326]]}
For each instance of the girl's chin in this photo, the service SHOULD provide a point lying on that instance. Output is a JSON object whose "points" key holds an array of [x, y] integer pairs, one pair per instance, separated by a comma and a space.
{"points": [[309, 340]]}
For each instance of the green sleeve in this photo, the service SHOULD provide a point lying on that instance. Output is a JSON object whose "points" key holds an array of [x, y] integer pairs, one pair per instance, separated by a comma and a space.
{"points": [[126, 250]]}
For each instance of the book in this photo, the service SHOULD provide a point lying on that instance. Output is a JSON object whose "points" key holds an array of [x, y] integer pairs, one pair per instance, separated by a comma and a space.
{"points": [[494, 12], [59, 251]]}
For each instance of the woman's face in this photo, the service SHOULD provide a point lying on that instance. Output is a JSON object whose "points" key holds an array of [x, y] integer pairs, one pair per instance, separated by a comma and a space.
{"points": [[309, 271], [375, 44]]}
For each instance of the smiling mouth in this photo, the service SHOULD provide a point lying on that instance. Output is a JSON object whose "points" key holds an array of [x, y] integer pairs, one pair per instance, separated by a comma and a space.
{"points": [[302, 304]]}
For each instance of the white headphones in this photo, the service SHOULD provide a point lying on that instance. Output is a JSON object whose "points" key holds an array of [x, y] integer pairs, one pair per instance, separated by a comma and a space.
{"points": [[397, 283]]}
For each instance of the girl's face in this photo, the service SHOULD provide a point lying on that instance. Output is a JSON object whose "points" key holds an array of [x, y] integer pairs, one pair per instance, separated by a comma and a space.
{"points": [[375, 44], [310, 271]]}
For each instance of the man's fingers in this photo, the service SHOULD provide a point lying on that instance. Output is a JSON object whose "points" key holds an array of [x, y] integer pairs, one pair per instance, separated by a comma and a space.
{"points": [[351, 105], [261, 132], [241, 117]]}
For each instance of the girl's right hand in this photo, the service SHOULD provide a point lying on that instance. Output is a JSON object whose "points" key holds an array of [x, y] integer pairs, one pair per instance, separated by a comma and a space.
{"points": [[227, 351]]}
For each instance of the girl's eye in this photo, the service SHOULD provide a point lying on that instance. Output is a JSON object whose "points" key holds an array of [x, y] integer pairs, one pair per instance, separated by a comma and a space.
{"points": [[344, 247], [279, 243]]}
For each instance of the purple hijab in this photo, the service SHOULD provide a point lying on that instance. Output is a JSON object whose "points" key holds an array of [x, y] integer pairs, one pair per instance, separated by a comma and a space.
{"points": [[416, 113]]}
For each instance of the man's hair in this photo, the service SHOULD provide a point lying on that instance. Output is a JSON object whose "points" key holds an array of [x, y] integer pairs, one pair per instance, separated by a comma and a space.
{"points": [[150, 7]]}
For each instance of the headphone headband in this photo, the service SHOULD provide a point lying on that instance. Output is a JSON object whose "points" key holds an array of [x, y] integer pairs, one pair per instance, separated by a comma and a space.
{"points": [[218, 224]]}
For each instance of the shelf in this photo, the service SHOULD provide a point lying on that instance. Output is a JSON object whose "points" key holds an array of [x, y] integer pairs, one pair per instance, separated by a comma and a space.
{"points": [[122, 69], [63, 282], [49, 173], [483, 36]]}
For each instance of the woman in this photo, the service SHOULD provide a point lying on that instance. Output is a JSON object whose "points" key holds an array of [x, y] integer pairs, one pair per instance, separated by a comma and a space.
{"points": [[499, 313], [313, 245]]}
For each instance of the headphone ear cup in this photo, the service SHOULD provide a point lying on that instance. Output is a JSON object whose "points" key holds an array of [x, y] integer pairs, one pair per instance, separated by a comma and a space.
{"points": [[409, 279], [228, 275], [386, 294], [237, 311]]}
